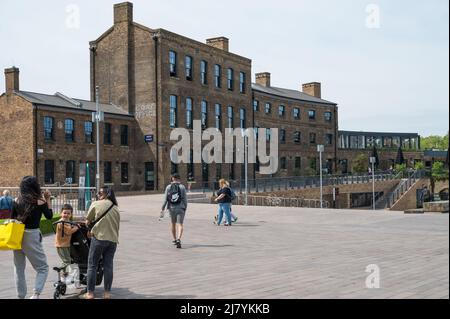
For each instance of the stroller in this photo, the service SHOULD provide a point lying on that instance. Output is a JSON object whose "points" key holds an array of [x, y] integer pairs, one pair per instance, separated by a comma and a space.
{"points": [[79, 252]]}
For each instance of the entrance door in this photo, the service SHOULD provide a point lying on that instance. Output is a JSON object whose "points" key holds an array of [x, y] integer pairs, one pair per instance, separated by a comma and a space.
{"points": [[149, 176]]}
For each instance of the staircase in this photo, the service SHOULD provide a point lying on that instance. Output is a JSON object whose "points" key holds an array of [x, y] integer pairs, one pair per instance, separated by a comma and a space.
{"points": [[403, 188]]}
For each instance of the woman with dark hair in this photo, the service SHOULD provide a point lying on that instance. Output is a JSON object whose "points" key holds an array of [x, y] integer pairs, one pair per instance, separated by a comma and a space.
{"points": [[104, 219], [28, 208]]}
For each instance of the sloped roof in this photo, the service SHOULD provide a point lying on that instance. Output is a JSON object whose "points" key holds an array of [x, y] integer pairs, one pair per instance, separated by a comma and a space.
{"points": [[59, 100], [290, 94]]}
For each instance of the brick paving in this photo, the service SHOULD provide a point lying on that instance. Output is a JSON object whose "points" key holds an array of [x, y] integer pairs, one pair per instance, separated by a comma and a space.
{"points": [[270, 253]]}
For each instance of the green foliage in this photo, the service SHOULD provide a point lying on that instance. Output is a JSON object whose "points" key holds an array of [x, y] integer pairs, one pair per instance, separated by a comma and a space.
{"points": [[439, 172], [308, 172], [419, 166], [434, 142], [400, 168], [360, 163]]}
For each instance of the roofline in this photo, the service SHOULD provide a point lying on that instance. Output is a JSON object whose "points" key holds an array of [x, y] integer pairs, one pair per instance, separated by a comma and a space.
{"points": [[377, 133], [80, 110], [294, 99]]}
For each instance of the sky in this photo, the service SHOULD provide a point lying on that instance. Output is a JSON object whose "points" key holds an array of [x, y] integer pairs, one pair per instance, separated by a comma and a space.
{"points": [[385, 63]]}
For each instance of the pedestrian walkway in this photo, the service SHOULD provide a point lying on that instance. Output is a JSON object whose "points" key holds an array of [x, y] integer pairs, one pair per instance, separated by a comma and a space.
{"points": [[270, 253]]}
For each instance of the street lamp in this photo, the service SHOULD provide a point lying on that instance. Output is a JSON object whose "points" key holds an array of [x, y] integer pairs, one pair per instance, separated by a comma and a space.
{"points": [[372, 161], [244, 135], [320, 149], [97, 117]]}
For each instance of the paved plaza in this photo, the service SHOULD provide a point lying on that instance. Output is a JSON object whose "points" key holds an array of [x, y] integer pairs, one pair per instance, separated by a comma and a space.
{"points": [[269, 253]]}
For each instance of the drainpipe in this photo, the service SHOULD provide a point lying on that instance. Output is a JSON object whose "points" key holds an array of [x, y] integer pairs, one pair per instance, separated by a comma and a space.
{"points": [[155, 41], [35, 141]]}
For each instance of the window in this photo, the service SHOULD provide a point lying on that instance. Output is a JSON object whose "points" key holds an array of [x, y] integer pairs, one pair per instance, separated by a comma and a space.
{"points": [[173, 63], [88, 132], [242, 118], [312, 138], [230, 76], [328, 116], [217, 75], [124, 135], [188, 67], [218, 116], [312, 114], [283, 162], [107, 172], [190, 165], [49, 170], [296, 113], [297, 137], [312, 164], [298, 163], [396, 141], [173, 168], [329, 139], [189, 119], [255, 105], [387, 141], [173, 111], [204, 115], [282, 136], [268, 108], [107, 134], [204, 72], [70, 172], [124, 173], [205, 172], [69, 130], [268, 133], [48, 128], [230, 117], [242, 82], [218, 171], [281, 110], [257, 164]]}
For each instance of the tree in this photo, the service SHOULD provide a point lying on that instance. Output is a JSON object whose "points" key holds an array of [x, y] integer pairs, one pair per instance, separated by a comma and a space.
{"points": [[434, 142], [360, 163], [419, 166], [438, 173], [400, 159]]}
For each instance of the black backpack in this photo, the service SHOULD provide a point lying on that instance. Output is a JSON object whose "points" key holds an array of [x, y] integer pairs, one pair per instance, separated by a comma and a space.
{"points": [[174, 194]]}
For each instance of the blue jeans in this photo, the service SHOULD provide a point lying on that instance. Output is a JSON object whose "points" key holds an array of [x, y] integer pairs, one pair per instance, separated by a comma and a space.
{"points": [[105, 250], [224, 207]]}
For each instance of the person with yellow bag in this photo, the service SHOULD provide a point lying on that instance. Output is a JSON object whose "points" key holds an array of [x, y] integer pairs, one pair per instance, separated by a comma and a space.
{"points": [[28, 208]]}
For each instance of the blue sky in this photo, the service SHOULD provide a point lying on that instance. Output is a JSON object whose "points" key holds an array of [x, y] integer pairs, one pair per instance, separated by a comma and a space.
{"points": [[391, 78]]}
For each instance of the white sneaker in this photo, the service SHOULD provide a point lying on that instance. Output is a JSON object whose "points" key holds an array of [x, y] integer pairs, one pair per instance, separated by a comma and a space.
{"points": [[35, 296]]}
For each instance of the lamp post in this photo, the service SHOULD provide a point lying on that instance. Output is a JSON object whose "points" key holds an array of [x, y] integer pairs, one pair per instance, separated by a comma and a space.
{"points": [[320, 149], [372, 161], [244, 135], [97, 117]]}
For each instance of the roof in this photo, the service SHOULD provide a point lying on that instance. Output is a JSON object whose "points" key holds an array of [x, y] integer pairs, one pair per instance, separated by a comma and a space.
{"points": [[435, 153], [60, 100], [377, 133], [290, 94]]}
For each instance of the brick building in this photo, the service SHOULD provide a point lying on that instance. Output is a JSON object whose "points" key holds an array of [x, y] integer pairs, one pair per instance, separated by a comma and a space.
{"points": [[151, 81]]}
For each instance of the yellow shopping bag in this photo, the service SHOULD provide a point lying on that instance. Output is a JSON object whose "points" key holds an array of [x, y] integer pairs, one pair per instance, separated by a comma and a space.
{"points": [[11, 234]]}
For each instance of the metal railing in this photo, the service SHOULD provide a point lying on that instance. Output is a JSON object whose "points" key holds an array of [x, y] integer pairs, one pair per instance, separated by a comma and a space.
{"points": [[403, 187], [79, 198], [282, 201], [262, 185]]}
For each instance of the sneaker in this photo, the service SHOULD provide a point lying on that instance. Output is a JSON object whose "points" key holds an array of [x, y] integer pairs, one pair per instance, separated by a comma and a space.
{"points": [[178, 243], [235, 219], [35, 296], [174, 242]]}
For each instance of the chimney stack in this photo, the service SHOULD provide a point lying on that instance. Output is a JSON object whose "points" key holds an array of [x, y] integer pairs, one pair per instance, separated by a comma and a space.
{"points": [[220, 43], [123, 12], [11, 80], [263, 79], [313, 88]]}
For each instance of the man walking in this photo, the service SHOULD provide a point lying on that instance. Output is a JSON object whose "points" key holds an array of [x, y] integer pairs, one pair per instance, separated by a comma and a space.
{"points": [[175, 200]]}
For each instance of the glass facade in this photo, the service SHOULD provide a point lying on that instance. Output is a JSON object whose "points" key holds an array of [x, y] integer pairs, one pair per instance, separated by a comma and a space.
{"points": [[361, 140]]}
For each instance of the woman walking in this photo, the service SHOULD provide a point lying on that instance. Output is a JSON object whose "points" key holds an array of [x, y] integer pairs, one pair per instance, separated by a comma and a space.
{"points": [[224, 201], [29, 207], [104, 219]]}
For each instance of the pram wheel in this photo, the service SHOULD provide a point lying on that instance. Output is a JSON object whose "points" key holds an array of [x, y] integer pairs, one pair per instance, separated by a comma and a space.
{"points": [[63, 290], [56, 295]]}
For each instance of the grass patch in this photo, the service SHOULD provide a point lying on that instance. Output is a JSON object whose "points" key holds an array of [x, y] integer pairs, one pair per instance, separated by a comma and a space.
{"points": [[46, 224]]}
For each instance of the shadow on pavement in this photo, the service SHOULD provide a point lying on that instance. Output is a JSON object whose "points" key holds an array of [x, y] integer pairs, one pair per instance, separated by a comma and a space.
{"points": [[187, 246], [125, 293]]}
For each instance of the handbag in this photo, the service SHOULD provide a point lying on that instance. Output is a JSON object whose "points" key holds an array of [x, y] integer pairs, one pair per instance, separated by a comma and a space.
{"points": [[11, 235]]}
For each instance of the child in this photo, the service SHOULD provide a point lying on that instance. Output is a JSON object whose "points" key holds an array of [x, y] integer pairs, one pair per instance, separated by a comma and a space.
{"points": [[62, 242]]}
